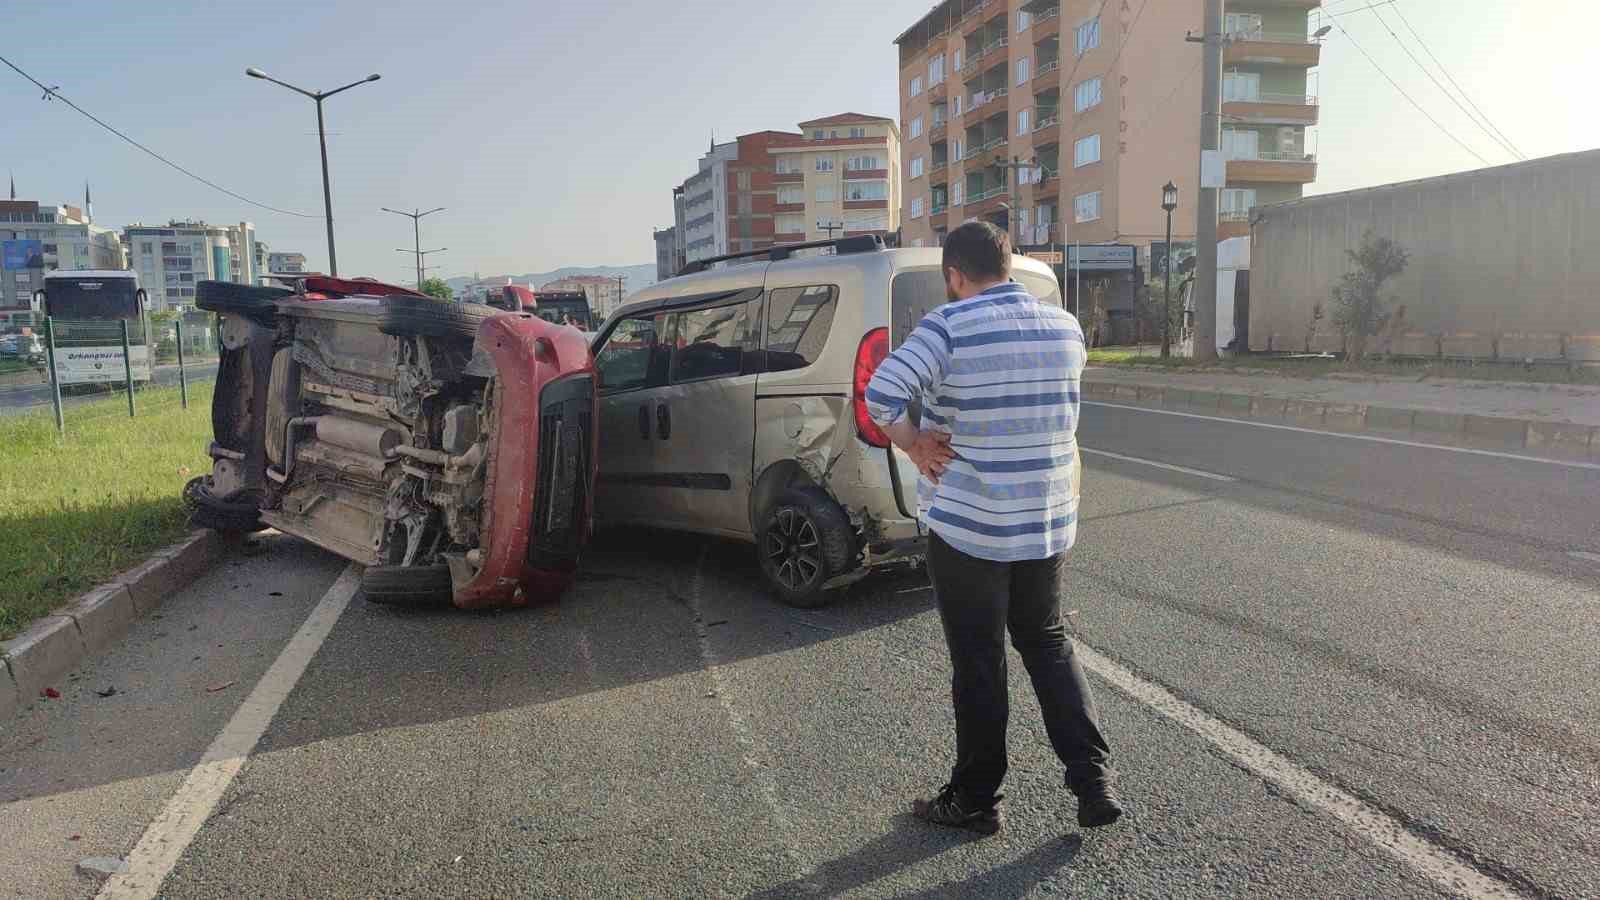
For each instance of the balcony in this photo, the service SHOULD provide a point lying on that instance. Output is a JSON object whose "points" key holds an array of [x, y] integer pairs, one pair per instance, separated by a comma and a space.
{"points": [[1047, 71], [984, 105], [940, 131], [986, 202], [789, 177], [1048, 118], [937, 171], [989, 53], [858, 174], [938, 93], [1046, 24], [789, 207], [1273, 109], [1274, 167], [1273, 49], [1232, 223]]}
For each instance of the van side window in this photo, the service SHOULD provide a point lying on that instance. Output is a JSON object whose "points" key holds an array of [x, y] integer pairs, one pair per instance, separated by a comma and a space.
{"points": [[798, 320], [710, 343], [632, 356]]}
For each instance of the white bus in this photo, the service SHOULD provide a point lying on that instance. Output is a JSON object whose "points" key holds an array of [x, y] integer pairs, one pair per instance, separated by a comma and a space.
{"points": [[87, 308]]}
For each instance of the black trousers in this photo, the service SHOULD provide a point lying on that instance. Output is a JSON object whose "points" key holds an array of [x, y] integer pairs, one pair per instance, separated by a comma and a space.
{"points": [[979, 600]]}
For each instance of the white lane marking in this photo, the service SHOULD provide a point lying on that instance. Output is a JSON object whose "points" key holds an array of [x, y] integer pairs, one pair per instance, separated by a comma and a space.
{"points": [[1160, 465], [169, 835], [1584, 556], [1571, 464], [1439, 866]]}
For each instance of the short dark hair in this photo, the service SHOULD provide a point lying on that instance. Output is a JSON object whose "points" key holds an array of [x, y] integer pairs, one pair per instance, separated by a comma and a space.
{"points": [[978, 250]]}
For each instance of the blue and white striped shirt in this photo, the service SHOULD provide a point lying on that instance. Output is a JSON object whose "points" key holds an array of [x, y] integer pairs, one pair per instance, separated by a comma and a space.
{"points": [[999, 373]]}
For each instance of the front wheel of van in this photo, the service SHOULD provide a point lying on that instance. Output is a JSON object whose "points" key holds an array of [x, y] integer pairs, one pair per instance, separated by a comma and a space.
{"points": [[804, 540]]}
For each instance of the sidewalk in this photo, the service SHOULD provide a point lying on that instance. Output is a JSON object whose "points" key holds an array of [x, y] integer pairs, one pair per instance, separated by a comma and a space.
{"points": [[1558, 420]]}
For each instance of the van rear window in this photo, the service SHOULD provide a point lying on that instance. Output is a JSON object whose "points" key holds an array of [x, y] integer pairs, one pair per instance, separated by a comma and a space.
{"points": [[917, 292]]}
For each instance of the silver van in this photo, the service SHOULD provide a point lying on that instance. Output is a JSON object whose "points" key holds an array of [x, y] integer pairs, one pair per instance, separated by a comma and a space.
{"points": [[732, 403]]}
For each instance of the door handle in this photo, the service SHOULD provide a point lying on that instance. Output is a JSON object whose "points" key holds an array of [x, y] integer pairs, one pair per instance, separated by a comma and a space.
{"points": [[644, 421], [663, 421]]}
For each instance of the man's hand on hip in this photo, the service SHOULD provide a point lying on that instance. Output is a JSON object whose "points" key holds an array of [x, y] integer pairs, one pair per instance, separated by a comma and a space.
{"points": [[931, 452]]}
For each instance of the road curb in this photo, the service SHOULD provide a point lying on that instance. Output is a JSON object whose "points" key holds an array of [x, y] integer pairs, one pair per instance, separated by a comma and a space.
{"points": [[56, 644], [1555, 440]]}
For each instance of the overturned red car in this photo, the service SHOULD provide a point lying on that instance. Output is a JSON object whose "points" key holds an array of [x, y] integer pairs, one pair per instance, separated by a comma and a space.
{"points": [[449, 448]]}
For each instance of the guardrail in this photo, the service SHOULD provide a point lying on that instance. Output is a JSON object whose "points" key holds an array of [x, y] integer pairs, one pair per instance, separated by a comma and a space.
{"points": [[1283, 99], [991, 193], [1271, 37], [1047, 14], [1234, 215], [1050, 67], [1049, 121]]}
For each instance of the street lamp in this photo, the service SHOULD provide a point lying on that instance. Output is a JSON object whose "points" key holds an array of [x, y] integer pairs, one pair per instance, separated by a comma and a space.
{"points": [[416, 232], [1169, 202], [322, 141]]}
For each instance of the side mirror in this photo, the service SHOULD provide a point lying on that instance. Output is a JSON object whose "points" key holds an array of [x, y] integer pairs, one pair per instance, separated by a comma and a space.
{"points": [[142, 298]]}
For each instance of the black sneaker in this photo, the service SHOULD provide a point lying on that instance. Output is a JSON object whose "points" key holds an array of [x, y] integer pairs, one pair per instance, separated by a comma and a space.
{"points": [[1098, 807], [949, 810]]}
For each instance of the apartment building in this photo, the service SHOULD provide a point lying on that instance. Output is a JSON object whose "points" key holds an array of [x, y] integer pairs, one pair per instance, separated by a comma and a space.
{"points": [[669, 253], [835, 175], [1103, 99], [170, 259], [286, 261], [36, 238]]}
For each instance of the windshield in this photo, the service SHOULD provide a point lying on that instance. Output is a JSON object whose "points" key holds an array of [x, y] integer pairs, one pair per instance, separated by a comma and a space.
{"points": [[91, 298], [565, 312]]}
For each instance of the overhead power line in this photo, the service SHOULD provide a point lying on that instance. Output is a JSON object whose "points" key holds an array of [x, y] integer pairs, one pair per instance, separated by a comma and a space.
{"points": [[1424, 44], [1447, 133], [55, 94]]}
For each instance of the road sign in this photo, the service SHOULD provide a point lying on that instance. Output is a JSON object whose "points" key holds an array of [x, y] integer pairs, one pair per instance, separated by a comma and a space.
{"points": [[1101, 257]]}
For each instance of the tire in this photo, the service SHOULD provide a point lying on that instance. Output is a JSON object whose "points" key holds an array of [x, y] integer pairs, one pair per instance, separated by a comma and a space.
{"points": [[407, 585], [255, 303], [804, 540], [235, 515], [418, 317]]}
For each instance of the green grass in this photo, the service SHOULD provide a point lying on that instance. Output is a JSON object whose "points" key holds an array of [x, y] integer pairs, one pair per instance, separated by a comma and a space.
{"points": [[77, 510], [7, 366], [1321, 367]]}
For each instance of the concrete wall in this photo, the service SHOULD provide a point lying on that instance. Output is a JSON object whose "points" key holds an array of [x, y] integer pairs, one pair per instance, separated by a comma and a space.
{"points": [[1503, 262]]}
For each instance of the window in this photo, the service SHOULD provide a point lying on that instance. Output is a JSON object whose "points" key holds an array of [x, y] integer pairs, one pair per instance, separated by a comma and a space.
{"points": [[858, 132], [916, 207], [169, 248], [1242, 25], [957, 59], [936, 70], [798, 320], [939, 116], [791, 225], [1244, 86], [955, 149], [1022, 71], [916, 167], [916, 127], [817, 134], [630, 357], [955, 105], [788, 165], [866, 190], [145, 247], [916, 86], [711, 343], [791, 194], [825, 162], [173, 292], [955, 193], [827, 193], [1087, 94], [1238, 200], [834, 133], [1241, 143], [50, 248], [1088, 35], [172, 277], [24, 278], [863, 164], [1023, 126], [1086, 151], [185, 277], [1024, 21], [866, 221], [1086, 207]]}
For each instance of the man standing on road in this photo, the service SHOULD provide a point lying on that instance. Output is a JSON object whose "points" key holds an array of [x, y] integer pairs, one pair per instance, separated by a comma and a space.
{"points": [[997, 373]]}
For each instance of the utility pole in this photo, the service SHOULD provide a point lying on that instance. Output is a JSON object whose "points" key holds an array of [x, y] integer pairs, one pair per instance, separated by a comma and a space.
{"points": [[416, 233], [1016, 165], [830, 228], [1205, 273]]}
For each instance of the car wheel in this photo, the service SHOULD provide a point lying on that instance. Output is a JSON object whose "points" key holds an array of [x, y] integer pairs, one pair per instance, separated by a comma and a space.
{"points": [[235, 515], [805, 539], [418, 317], [255, 303], [407, 585]]}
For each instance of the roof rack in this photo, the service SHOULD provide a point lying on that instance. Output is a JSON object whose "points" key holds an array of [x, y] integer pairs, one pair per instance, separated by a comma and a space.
{"points": [[860, 243]]}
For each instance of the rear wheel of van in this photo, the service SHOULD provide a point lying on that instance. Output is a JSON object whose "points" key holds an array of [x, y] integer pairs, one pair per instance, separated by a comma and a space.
{"points": [[239, 514], [246, 300], [805, 540], [405, 316], [407, 585]]}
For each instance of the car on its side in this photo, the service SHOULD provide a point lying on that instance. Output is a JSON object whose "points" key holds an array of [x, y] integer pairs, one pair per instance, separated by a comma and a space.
{"points": [[732, 402], [449, 448]]}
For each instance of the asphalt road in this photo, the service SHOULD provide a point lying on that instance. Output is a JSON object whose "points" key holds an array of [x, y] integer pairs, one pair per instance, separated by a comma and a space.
{"points": [[1413, 628], [16, 398]]}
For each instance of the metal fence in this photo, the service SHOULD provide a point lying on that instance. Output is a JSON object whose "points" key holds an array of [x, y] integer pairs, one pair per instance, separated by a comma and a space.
{"points": [[80, 360]]}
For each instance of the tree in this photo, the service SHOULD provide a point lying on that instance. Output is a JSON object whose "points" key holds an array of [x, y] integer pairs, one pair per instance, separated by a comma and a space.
{"points": [[435, 287], [1359, 308]]}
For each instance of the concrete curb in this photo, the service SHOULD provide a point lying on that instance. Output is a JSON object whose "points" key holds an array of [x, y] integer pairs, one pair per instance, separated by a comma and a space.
{"points": [[1553, 440], [56, 644]]}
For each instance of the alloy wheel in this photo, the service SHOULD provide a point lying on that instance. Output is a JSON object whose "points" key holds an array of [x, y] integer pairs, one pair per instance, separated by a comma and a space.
{"points": [[792, 548]]}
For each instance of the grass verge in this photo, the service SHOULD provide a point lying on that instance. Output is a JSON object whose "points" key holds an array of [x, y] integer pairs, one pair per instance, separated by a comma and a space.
{"points": [[1322, 367], [76, 510]]}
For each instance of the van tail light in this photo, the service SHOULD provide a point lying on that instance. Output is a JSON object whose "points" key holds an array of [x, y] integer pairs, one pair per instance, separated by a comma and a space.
{"points": [[873, 350]]}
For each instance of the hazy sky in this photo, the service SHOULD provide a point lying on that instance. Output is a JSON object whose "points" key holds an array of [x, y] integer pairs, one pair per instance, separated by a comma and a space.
{"points": [[553, 132]]}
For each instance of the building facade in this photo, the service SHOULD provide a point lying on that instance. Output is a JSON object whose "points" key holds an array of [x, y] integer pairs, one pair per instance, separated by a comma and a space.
{"points": [[837, 175], [1097, 104], [171, 259], [605, 294], [36, 238], [669, 252], [286, 261]]}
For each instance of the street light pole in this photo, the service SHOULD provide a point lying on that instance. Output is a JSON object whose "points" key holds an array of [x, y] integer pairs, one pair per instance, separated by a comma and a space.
{"points": [[1169, 202], [322, 143], [416, 232]]}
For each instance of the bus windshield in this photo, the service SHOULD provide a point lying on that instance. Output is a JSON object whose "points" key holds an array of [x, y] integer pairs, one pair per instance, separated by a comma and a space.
{"points": [[573, 312], [87, 299]]}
